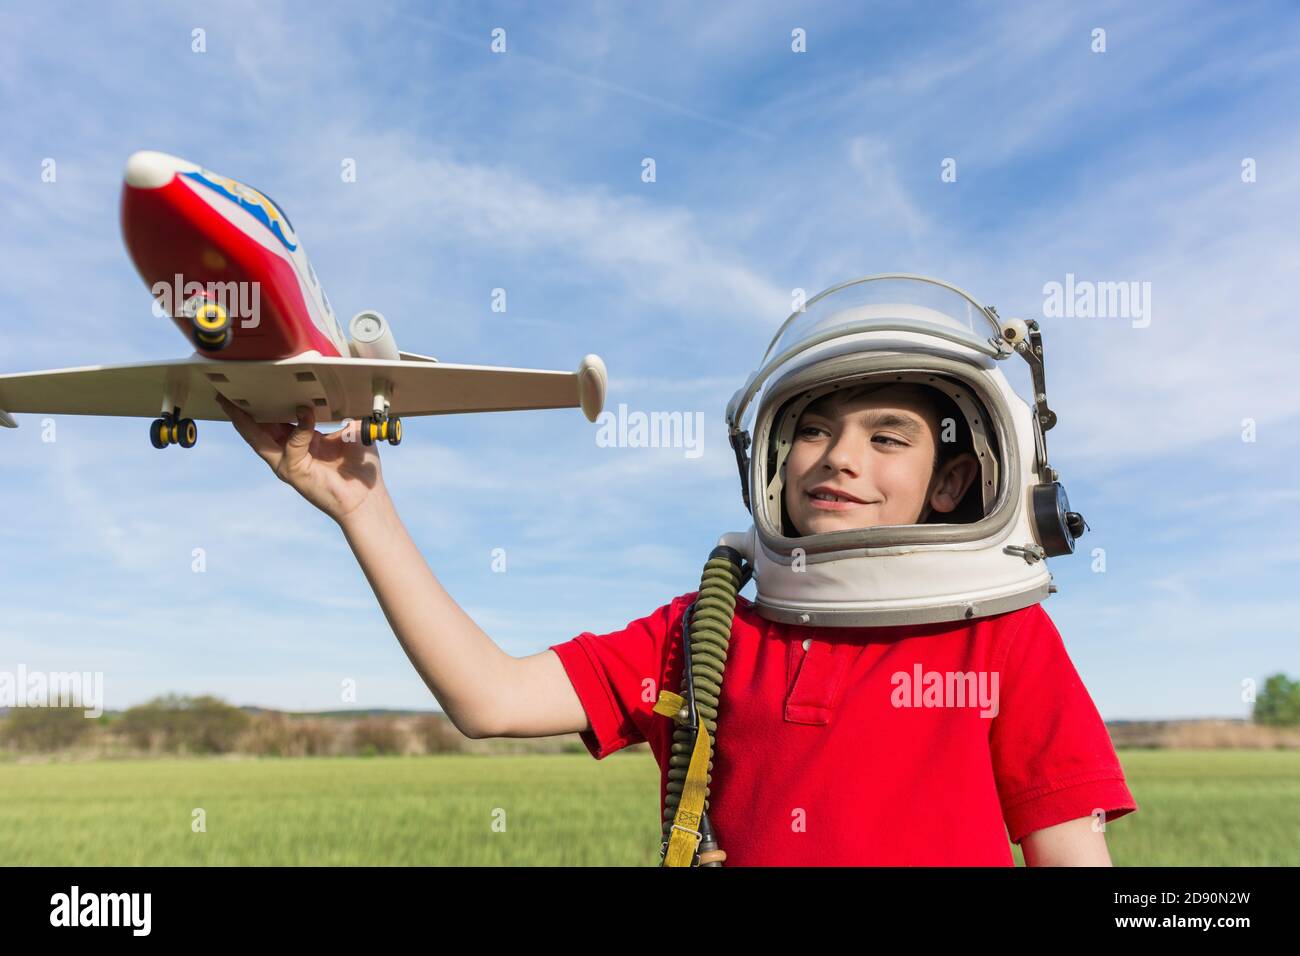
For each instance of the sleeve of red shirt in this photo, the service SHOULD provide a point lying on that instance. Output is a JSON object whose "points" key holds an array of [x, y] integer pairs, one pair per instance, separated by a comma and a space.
{"points": [[1052, 755], [617, 676]]}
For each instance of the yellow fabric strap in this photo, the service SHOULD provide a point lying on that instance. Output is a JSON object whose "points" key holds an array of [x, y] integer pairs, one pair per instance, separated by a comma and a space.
{"points": [[669, 703], [690, 809]]}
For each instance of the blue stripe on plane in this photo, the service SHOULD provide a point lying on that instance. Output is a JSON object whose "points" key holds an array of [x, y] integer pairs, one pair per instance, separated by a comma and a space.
{"points": [[257, 210]]}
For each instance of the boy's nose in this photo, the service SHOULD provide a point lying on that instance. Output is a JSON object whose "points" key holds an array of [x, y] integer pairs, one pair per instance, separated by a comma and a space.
{"points": [[844, 454]]}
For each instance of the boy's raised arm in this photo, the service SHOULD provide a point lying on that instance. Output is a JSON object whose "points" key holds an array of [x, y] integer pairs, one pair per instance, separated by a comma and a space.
{"points": [[482, 689], [485, 691]]}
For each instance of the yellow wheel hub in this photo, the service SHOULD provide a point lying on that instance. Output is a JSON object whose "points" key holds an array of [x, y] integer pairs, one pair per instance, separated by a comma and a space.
{"points": [[211, 317]]}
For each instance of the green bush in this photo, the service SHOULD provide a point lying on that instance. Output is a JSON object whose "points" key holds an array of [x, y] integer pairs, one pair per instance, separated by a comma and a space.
{"points": [[179, 724], [44, 728], [1278, 704]]}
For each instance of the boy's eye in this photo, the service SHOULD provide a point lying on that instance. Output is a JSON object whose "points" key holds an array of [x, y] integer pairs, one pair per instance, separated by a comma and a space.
{"points": [[805, 430]]}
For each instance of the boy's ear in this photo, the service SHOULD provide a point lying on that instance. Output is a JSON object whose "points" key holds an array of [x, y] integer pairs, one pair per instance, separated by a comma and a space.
{"points": [[951, 482]]}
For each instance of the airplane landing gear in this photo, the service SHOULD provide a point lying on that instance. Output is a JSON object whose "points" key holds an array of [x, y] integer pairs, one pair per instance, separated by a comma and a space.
{"points": [[212, 327], [171, 429], [381, 428]]}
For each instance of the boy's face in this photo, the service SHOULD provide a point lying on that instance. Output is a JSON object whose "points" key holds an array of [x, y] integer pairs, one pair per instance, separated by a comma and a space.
{"points": [[879, 449]]}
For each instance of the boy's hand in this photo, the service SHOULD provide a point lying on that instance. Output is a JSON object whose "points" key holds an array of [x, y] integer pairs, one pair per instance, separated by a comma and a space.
{"points": [[335, 472]]}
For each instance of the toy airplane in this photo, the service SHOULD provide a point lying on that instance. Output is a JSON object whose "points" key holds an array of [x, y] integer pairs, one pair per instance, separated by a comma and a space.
{"points": [[223, 261]]}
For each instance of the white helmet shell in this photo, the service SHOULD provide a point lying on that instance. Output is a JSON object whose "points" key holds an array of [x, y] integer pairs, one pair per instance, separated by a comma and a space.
{"points": [[908, 329]]}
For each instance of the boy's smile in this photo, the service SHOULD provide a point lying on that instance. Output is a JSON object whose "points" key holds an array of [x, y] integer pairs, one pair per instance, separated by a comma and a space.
{"points": [[830, 498], [859, 461]]}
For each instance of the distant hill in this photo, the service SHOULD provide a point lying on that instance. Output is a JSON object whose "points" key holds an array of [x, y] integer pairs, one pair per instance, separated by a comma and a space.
{"points": [[1192, 733], [340, 714], [1204, 733], [346, 714]]}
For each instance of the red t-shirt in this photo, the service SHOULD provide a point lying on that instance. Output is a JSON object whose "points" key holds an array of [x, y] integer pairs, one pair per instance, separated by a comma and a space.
{"points": [[925, 744]]}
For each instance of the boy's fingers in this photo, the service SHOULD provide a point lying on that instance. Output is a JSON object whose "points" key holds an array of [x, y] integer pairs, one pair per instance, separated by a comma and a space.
{"points": [[296, 448], [349, 432], [255, 434], [244, 424], [234, 411], [279, 432]]}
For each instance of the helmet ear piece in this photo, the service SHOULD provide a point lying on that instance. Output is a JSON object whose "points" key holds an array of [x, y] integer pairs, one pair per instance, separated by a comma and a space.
{"points": [[1055, 525]]}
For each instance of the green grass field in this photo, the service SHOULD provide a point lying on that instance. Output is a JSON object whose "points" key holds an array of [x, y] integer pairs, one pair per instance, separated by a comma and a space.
{"points": [[1199, 808]]}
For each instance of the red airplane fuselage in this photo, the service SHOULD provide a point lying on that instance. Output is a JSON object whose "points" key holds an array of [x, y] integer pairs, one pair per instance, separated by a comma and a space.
{"points": [[188, 229]]}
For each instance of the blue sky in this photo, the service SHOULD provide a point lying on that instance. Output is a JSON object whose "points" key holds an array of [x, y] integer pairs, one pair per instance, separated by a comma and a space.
{"points": [[774, 170]]}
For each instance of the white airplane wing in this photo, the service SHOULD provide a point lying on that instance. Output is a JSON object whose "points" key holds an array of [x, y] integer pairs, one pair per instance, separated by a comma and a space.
{"points": [[338, 388]]}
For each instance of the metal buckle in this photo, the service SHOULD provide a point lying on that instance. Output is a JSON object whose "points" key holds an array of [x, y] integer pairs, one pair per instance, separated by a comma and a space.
{"points": [[698, 835]]}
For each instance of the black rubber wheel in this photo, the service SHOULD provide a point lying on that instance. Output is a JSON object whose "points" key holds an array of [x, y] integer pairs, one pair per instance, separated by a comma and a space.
{"points": [[206, 344], [394, 431], [212, 327], [155, 433], [187, 433]]}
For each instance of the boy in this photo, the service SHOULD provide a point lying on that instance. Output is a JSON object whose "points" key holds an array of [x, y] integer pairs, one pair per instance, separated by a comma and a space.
{"points": [[824, 757]]}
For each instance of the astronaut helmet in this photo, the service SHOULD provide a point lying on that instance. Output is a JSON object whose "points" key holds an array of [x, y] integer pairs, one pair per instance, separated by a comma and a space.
{"points": [[931, 348]]}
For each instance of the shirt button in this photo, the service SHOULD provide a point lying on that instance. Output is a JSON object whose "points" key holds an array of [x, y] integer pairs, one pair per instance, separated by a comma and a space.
{"points": [[807, 643]]}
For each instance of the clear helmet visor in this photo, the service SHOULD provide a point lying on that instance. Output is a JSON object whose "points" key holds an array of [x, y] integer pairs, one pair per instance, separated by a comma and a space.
{"points": [[887, 329], [840, 317]]}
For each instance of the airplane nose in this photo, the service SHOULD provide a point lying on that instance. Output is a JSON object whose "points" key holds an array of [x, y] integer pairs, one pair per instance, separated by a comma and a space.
{"points": [[151, 170]]}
